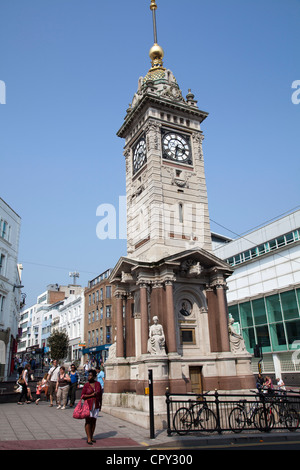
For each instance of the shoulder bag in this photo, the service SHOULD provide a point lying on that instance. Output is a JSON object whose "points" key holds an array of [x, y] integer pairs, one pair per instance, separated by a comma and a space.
{"points": [[81, 410]]}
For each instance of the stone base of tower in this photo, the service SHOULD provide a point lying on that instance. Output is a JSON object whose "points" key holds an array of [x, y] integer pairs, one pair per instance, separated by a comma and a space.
{"points": [[127, 379]]}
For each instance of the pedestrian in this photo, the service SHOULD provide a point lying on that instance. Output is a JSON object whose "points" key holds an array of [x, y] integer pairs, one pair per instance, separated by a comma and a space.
{"points": [[52, 379], [92, 392], [100, 376], [281, 387], [23, 381], [73, 385], [268, 385], [62, 388], [280, 384], [42, 387], [259, 382]]}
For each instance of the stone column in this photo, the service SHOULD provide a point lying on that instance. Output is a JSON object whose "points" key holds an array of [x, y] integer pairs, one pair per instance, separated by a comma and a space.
{"points": [[223, 318], [119, 323], [129, 328], [212, 318], [144, 318], [170, 331]]}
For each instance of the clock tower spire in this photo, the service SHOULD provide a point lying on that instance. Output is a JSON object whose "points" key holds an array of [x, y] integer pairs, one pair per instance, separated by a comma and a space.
{"points": [[156, 52], [167, 209]]}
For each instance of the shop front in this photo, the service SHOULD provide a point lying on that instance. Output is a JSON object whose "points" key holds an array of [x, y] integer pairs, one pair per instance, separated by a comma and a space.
{"points": [[96, 354]]}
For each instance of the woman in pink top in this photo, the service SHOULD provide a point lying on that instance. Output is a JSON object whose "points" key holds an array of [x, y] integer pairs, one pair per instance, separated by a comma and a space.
{"points": [[92, 392]]}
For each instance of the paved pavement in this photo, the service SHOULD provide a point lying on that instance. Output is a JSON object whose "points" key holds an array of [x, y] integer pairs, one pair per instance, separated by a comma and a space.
{"points": [[32, 426], [39, 427]]}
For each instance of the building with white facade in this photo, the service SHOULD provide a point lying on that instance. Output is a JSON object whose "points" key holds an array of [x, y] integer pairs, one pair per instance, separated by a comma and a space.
{"points": [[264, 293], [70, 318], [10, 287], [37, 322]]}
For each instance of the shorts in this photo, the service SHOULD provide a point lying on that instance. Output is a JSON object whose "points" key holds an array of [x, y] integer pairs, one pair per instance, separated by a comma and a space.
{"points": [[52, 387], [94, 412]]}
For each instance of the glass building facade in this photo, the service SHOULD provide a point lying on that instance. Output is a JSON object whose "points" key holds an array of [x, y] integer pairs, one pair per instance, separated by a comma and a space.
{"points": [[273, 321]]}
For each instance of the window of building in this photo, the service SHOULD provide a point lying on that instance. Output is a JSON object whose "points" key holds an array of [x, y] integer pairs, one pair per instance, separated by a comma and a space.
{"points": [[293, 332], [187, 336], [259, 311], [2, 262], [108, 292], [289, 305], [289, 238], [246, 314], [108, 311], [278, 337], [4, 230], [280, 241], [2, 299], [274, 308], [263, 338], [234, 312], [108, 334], [249, 338], [180, 208]]}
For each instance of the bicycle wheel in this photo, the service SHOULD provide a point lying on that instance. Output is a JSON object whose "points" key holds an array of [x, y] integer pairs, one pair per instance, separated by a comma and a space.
{"points": [[207, 419], [291, 419], [266, 419], [182, 421], [256, 419], [237, 419]]}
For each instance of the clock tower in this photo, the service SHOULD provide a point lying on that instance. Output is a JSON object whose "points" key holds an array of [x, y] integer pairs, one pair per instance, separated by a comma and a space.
{"points": [[171, 308], [167, 209]]}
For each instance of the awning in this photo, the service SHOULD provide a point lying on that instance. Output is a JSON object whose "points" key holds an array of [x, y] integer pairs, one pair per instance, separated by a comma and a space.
{"points": [[96, 349]]}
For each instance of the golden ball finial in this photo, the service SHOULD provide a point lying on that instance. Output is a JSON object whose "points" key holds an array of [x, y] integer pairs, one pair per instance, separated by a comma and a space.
{"points": [[156, 54], [153, 5]]}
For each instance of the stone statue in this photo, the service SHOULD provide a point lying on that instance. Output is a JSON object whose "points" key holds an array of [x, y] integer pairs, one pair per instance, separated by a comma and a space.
{"points": [[237, 343], [112, 350], [156, 341]]}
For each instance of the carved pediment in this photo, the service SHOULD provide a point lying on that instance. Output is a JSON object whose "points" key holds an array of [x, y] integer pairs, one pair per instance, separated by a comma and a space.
{"points": [[190, 268]]}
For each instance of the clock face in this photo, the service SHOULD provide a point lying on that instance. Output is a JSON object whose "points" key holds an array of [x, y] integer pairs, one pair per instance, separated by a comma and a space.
{"points": [[176, 147], [139, 155]]}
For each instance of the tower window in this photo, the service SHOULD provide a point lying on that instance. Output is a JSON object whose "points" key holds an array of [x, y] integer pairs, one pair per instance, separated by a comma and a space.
{"points": [[181, 212]]}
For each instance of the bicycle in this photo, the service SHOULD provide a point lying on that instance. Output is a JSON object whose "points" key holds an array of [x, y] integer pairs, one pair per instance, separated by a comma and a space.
{"points": [[279, 411], [239, 417], [198, 414]]}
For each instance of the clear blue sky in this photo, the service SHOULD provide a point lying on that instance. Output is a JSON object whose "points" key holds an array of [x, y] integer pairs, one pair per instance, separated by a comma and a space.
{"points": [[71, 68]]}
